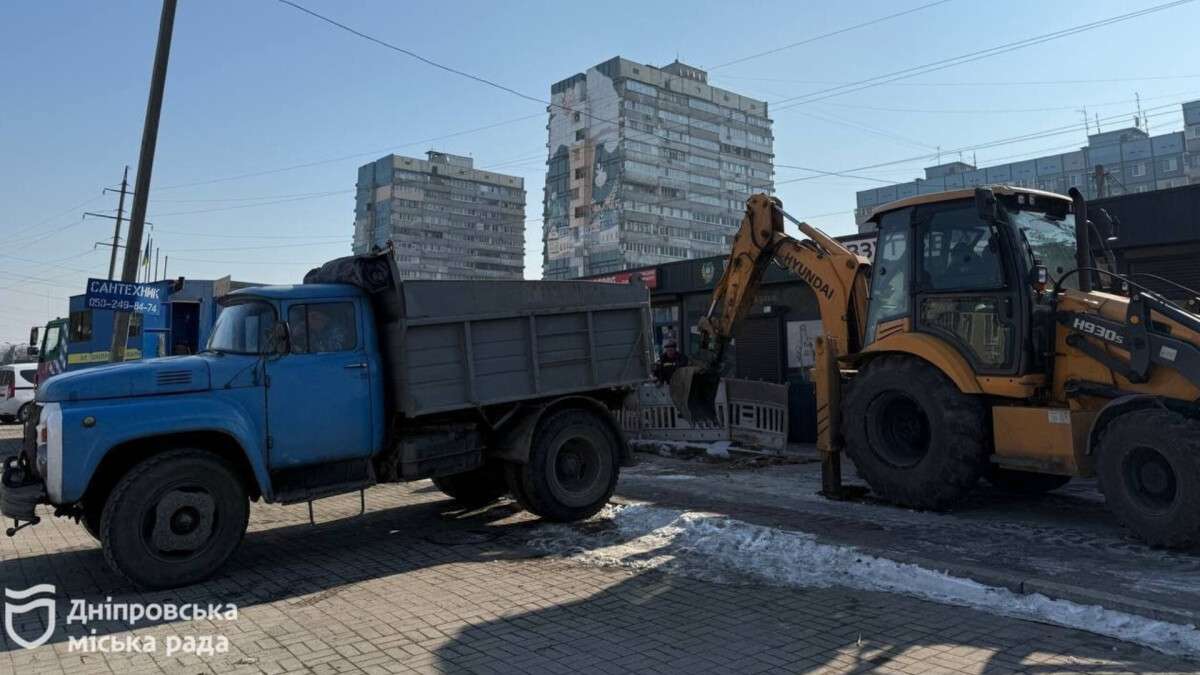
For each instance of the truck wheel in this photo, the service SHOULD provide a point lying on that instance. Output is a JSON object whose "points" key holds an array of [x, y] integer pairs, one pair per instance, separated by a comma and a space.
{"points": [[572, 468], [474, 488], [912, 434], [174, 518], [1148, 465], [1024, 482], [23, 413]]}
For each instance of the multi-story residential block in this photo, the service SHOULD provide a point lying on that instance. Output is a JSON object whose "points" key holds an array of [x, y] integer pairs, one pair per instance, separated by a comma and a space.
{"points": [[1117, 162], [444, 218], [648, 165]]}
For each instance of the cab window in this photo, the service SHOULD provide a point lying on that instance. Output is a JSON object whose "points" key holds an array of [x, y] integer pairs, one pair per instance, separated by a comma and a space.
{"points": [[891, 270], [960, 252], [322, 327]]}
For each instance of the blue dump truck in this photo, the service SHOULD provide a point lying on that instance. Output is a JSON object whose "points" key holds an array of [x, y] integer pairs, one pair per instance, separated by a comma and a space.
{"points": [[350, 379]]}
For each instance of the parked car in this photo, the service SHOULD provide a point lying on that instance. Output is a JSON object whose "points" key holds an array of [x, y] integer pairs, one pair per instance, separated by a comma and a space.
{"points": [[17, 384]]}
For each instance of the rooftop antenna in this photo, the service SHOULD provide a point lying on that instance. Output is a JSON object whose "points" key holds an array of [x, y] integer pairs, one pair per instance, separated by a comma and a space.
{"points": [[1145, 123], [1087, 126]]}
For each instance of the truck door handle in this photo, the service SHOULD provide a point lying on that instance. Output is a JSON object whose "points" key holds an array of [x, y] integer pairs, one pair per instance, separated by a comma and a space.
{"points": [[348, 366]]}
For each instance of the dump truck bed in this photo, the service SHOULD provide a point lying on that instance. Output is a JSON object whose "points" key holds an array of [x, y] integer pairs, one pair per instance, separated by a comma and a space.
{"points": [[452, 345]]}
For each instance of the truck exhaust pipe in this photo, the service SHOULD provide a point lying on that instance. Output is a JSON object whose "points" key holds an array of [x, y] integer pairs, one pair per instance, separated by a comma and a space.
{"points": [[1083, 244]]}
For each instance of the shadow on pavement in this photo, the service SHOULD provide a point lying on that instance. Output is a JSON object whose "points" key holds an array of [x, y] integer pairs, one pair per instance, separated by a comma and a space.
{"points": [[280, 563]]}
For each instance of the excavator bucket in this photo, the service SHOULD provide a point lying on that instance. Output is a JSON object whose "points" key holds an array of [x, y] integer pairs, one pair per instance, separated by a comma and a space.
{"points": [[694, 393]]}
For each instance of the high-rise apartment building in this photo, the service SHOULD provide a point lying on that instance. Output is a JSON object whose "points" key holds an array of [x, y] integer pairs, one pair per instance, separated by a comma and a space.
{"points": [[1129, 160], [648, 165], [444, 218]]}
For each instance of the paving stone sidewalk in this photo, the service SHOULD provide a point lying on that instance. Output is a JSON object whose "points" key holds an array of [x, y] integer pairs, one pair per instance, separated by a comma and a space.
{"points": [[416, 585]]}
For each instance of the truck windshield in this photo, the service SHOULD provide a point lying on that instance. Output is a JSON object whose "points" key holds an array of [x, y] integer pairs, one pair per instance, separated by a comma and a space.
{"points": [[244, 328], [1052, 240]]}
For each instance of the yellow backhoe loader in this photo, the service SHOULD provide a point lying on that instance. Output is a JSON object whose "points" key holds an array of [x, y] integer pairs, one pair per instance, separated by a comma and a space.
{"points": [[983, 342]]}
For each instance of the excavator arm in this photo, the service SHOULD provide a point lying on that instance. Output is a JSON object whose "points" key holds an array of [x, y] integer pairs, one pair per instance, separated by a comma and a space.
{"points": [[837, 276]]}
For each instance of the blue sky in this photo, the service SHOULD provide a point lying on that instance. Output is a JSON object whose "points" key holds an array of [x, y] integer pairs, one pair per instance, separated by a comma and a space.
{"points": [[256, 87]]}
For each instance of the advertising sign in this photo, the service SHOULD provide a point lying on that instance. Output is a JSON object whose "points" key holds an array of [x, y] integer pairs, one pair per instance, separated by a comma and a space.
{"points": [[125, 297]]}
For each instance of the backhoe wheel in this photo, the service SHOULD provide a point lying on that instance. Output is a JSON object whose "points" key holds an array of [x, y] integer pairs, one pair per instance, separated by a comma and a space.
{"points": [[572, 468], [1148, 463], [1025, 482], [174, 518], [915, 438], [474, 488]]}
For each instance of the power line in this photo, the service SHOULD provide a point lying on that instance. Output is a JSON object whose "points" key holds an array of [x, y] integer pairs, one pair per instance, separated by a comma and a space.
{"points": [[343, 158], [969, 57], [975, 83], [830, 34], [319, 195]]}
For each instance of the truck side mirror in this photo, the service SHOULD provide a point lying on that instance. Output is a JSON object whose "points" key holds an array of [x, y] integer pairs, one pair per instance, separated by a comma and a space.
{"points": [[33, 337]]}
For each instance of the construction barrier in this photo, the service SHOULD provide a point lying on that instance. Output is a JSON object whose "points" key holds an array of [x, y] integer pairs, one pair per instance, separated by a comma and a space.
{"points": [[749, 413]]}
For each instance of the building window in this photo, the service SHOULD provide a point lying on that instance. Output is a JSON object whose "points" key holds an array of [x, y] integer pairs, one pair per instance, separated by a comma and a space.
{"points": [[1170, 164], [581, 173], [576, 117], [1075, 180], [135, 325], [1138, 170], [580, 134]]}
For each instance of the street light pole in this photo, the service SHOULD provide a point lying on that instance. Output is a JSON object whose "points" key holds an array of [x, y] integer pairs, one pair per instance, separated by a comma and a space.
{"points": [[141, 189]]}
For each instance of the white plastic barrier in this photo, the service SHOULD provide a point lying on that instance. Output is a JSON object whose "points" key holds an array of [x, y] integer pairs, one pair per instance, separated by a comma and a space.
{"points": [[751, 413]]}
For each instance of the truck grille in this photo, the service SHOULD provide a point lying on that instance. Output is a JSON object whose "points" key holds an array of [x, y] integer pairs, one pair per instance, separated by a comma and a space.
{"points": [[174, 377]]}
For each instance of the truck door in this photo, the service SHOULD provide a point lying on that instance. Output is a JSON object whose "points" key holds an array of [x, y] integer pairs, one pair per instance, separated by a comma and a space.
{"points": [[318, 400]]}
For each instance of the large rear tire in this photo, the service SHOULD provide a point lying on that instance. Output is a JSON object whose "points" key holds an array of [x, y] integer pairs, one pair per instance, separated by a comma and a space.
{"points": [[174, 518], [916, 439], [1024, 482], [474, 488], [1148, 465], [572, 469]]}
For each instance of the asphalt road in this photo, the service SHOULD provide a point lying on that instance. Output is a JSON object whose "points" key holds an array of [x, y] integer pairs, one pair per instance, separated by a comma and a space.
{"points": [[1063, 544]]}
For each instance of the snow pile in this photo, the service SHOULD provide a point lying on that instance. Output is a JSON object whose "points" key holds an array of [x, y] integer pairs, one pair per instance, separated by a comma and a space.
{"points": [[716, 548]]}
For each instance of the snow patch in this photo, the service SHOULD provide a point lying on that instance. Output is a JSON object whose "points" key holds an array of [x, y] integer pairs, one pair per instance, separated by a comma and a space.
{"points": [[717, 548], [720, 449]]}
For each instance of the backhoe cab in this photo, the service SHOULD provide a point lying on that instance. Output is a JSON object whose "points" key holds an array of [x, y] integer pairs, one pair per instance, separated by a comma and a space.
{"points": [[991, 344]]}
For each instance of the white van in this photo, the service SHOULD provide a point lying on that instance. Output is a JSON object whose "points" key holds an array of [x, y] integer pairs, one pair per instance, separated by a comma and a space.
{"points": [[17, 384]]}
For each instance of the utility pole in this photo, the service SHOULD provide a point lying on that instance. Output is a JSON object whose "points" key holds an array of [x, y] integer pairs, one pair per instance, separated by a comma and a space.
{"points": [[1100, 176], [141, 190], [112, 259]]}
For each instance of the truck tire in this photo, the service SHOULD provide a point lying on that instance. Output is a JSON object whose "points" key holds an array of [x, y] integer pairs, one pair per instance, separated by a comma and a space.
{"points": [[572, 469], [474, 488], [174, 518], [1024, 482], [916, 439], [1148, 466]]}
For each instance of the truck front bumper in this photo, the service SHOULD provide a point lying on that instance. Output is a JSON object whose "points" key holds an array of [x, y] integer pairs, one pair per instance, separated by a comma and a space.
{"points": [[20, 492]]}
